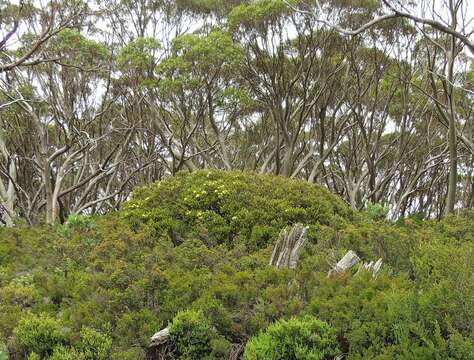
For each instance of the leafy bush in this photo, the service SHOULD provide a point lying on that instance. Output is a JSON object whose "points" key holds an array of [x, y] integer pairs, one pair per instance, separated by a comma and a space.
{"points": [[43, 335], [295, 339], [85, 224], [94, 345], [66, 353], [231, 207], [159, 257], [375, 212], [191, 333], [3, 352], [39, 334]]}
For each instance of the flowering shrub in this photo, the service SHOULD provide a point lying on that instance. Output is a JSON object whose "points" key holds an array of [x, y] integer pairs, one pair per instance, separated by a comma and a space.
{"points": [[231, 207], [193, 251]]}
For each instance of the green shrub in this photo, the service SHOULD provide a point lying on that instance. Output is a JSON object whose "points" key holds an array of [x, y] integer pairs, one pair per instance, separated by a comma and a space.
{"points": [[85, 225], [229, 207], [375, 212], [220, 348], [3, 352], [39, 334], [461, 347], [295, 339], [211, 252], [191, 333], [94, 345], [66, 353]]}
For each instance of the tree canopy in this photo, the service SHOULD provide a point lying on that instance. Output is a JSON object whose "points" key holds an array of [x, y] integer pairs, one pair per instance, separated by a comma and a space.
{"points": [[372, 100]]}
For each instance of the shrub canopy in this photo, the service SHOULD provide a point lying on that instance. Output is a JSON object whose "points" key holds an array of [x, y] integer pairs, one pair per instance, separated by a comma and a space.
{"points": [[104, 285], [231, 207], [295, 339]]}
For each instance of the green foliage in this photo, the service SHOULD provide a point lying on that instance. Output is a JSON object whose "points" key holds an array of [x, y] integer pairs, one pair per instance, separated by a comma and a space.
{"points": [[75, 47], [259, 14], [61, 352], [137, 61], [294, 339], [138, 53], [39, 334], [3, 352], [375, 212], [191, 333], [215, 48], [78, 223], [201, 63], [192, 251], [200, 7], [94, 345], [225, 207]]}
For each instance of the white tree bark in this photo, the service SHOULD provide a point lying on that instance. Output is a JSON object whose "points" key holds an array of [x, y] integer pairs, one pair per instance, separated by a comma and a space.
{"points": [[348, 261], [372, 267], [8, 193], [160, 337], [287, 250]]}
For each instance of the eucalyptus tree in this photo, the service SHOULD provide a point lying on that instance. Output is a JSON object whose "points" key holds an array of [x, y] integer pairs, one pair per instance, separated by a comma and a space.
{"points": [[8, 179], [386, 10], [448, 30], [198, 98], [80, 151], [447, 106], [289, 69], [35, 24], [97, 97]]}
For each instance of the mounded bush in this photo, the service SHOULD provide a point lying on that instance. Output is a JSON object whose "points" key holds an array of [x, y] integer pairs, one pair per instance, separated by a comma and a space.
{"points": [[128, 275], [44, 337], [192, 334], [67, 353], [94, 345], [295, 339], [39, 334], [231, 207]]}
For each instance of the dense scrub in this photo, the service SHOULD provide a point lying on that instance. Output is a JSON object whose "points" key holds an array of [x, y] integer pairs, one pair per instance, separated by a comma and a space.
{"points": [[193, 252], [231, 208]]}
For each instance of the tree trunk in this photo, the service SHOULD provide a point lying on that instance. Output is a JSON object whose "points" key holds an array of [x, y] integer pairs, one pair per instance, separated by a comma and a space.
{"points": [[160, 337], [348, 261], [452, 136], [452, 139], [287, 250]]}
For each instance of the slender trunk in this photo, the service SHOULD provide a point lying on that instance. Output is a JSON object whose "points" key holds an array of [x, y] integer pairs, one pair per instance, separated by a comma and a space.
{"points": [[48, 192], [46, 171], [453, 175], [287, 163], [8, 192], [217, 132], [452, 138], [11, 195]]}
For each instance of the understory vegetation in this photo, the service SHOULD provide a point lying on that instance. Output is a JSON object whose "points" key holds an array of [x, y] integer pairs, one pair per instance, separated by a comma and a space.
{"points": [[362, 97], [192, 252]]}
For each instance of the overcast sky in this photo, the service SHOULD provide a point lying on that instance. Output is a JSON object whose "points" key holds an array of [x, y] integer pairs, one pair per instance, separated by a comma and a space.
{"points": [[424, 9]]}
